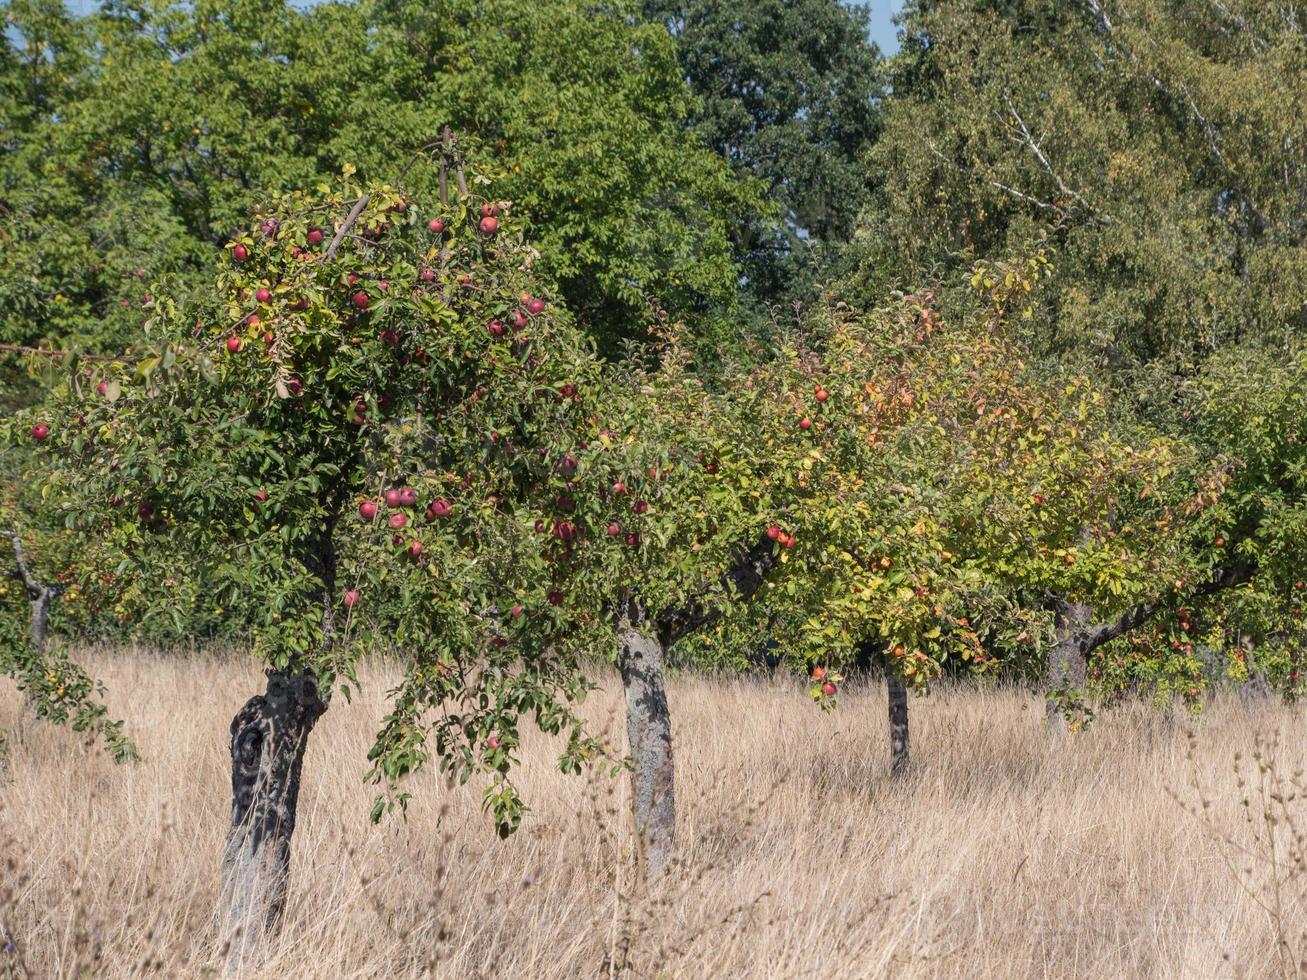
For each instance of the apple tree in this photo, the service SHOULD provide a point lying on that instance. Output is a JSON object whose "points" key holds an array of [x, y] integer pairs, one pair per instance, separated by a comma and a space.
{"points": [[355, 436]]}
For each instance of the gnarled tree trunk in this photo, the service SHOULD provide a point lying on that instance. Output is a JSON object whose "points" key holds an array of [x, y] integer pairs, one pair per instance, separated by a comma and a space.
{"points": [[898, 722], [1067, 661], [268, 739], [640, 658], [39, 595]]}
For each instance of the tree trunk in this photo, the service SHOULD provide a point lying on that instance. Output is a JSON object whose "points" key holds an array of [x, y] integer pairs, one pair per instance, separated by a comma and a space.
{"points": [[40, 606], [898, 723], [1067, 660], [649, 732], [268, 738]]}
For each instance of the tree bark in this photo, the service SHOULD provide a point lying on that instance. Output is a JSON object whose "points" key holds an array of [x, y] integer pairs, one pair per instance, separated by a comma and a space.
{"points": [[640, 659], [39, 595], [268, 739], [1067, 661], [898, 723]]}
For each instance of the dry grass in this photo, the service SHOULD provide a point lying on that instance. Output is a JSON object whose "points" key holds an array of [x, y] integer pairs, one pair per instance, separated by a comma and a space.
{"points": [[1007, 853]]}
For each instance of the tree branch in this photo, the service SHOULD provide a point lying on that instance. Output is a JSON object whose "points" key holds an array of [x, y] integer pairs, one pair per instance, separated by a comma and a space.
{"points": [[739, 582]]}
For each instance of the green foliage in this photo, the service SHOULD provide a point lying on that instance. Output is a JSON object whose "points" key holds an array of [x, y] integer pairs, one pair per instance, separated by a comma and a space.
{"points": [[1153, 144], [788, 91], [139, 138]]}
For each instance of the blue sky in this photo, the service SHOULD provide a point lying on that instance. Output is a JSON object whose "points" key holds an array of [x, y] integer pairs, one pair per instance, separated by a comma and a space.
{"points": [[882, 30]]}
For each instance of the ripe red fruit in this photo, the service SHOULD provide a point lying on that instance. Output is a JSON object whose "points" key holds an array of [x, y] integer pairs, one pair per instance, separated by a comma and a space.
{"points": [[40, 431], [268, 338], [352, 278], [262, 294], [240, 253], [829, 689], [619, 487], [788, 541], [415, 549], [1300, 585], [614, 529], [396, 521], [361, 300], [427, 275], [390, 337], [495, 328], [368, 510], [315, 236], [408, 497], [535, 306], [102, 388], [487, 210], [440, 508], [517, 612], [565, 530], [633, 539], [774, 532], [391, 497], [383, 285], [640, 506], [568, 464], [254, 319], [233, 345], [489, 225], [564, 503], [493, 743], [435, 226], [540, 527], [519, 319], [805, 423], [822, 394], [818, 673], [351, 598], [261, 496], [295, 386]]}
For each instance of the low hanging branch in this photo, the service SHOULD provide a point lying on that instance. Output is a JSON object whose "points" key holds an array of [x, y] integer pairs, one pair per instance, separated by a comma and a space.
{"points": [[738, 583], [47, 352], [1092, 637]]}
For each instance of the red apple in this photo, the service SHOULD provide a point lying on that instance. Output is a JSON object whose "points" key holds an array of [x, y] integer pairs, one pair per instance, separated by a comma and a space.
{"points": [[233, 345], [240, 253], [614, 529], [368, 510], [632, 539], [495, 328], [392, 497], [435, 226], [774, 532], [568, 464], [315, 236], [440, 508], [829, 689], [818, 673], [619, 487], [519, 319], [805, 423], [361, 300], [396, 521], [351, 598], [102, 388], [295, 386], [565, 530], [517, 612], [254, 319], [493, 743], [640, 506], [262, 294], [414, 549], [535, 306], [489, 225], [408, 497], [540, 527], [40, 431], [822, 394], [261, 496], [427, 274]]}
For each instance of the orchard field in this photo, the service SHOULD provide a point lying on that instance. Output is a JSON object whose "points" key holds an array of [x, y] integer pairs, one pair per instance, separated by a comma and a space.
{"points": [[663, 488], [1005, 853]]}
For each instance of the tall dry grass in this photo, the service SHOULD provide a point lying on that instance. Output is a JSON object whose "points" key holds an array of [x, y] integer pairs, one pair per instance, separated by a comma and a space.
{"points": [[1006, 853]]}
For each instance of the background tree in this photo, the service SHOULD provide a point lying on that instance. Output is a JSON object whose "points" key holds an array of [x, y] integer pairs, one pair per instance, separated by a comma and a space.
{"points": [[788, 92]]}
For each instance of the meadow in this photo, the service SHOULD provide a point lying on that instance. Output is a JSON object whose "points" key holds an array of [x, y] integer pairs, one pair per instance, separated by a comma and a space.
{"points": [[1007, 851]]}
